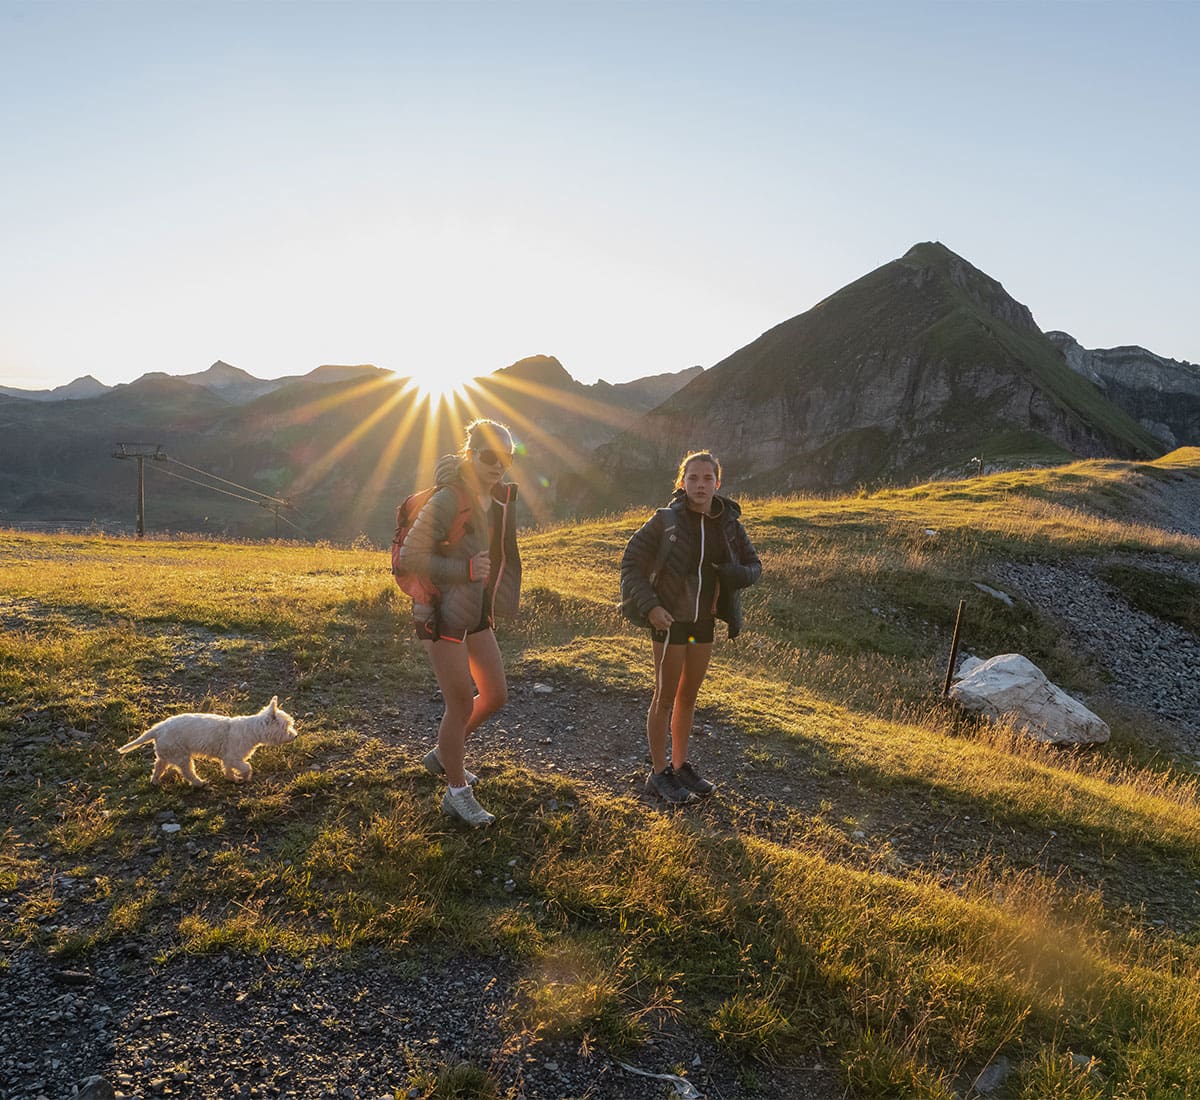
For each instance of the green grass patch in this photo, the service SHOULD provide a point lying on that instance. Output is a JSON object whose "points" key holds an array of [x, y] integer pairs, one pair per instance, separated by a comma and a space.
{"points": [[767, 929]]}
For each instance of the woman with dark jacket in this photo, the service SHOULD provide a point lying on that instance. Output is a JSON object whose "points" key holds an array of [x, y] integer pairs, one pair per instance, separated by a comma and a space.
{"points": [[682, 569], [477, 576]]}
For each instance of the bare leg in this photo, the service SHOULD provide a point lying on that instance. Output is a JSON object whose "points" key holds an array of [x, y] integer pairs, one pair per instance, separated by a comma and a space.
{"points": [[695, 665], [451, 666], [667, 668], [487, 670]]}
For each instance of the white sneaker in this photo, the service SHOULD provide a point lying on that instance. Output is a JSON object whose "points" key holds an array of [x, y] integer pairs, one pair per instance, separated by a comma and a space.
{"points": [[433, 764], [465, 808]]}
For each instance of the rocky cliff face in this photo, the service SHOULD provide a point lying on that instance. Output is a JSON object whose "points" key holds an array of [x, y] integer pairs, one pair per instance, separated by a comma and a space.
{"points": [[1163, 395], [923, 363]]}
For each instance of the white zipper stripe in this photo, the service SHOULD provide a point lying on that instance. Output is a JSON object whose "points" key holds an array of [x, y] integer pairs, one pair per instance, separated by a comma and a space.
{"points": [[503, 558], [699, 572]]}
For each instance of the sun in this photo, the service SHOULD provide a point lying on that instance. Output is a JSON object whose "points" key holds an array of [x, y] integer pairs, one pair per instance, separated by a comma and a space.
{"points": [[437, 382]]}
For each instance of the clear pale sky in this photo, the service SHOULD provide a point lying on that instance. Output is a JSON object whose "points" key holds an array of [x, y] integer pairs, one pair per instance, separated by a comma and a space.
{"points": [[631, 187]]}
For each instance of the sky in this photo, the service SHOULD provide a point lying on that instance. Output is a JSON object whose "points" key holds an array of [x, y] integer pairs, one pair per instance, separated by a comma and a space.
{"points": [[632, 187]]}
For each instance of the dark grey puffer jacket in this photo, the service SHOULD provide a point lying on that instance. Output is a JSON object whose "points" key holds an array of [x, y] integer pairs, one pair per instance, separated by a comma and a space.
{"points": [[677, 587], [449, 567]]}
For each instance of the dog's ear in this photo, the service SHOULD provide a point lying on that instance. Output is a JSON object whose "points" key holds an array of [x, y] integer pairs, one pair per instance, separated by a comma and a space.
{"points": [[273, 704]]}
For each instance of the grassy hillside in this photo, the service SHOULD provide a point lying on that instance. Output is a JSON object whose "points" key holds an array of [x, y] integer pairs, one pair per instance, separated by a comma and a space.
{"points": [[917, 367], [883, 885]]}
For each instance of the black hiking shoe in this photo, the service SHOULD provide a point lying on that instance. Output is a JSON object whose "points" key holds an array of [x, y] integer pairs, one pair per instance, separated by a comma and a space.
{"points": [[666, 786], [693, 781]]}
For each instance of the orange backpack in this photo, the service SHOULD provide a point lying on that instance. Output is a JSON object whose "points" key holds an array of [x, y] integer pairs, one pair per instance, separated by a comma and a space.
{"points": [[420, 588]]}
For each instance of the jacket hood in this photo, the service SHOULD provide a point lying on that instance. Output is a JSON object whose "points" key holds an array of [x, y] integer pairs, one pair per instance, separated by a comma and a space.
{"points": [[449, 469], [717, 509]]}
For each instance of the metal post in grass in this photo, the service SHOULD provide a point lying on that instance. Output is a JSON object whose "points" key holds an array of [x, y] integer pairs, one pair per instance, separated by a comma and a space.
{"points": [[953, 648]]}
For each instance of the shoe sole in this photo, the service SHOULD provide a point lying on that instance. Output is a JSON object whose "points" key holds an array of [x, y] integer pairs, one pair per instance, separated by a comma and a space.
{"points": [[673, 801]]}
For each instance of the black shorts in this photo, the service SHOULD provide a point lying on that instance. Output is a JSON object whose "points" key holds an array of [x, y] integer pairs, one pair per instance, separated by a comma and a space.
{"points": [[431, 630], [685, 633]]}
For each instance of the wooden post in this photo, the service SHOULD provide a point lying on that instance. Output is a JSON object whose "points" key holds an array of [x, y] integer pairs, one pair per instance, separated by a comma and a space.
{"points": [[953, 648]]}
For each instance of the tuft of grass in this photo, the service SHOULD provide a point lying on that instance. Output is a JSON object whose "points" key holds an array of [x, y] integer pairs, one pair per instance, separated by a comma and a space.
{"points": [[84, 822], [456, 1081], [749, 1025]]}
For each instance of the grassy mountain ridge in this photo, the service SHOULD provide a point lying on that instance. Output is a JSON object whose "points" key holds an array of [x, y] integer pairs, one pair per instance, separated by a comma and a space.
{"points": [[920, 364], [882, 886]]}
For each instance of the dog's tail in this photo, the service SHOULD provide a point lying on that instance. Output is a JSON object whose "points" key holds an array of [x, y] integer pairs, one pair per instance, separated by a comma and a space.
{"points": [[145, 739]]}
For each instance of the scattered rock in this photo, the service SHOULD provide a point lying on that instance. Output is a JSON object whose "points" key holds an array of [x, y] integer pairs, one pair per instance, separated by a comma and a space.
{"points": [[1011, 687], [74, 977], [993, 1076], [996, 594], [96, 1088]]}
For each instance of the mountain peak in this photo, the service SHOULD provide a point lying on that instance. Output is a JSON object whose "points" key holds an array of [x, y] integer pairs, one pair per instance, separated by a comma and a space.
{"points": [[934, 258], [539, 370], [221, 370]]}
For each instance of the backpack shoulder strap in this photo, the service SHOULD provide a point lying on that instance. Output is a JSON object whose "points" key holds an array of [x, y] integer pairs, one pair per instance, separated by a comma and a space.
{"points": [[462, 517], [666, 518]]}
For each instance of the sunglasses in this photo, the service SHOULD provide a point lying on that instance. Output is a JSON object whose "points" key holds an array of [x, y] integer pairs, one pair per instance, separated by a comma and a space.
{"points": [[489, 457]]}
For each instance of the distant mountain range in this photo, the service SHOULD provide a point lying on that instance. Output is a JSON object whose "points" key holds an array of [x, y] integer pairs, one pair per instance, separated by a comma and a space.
{"points": [[342, 444], [924, 367]]}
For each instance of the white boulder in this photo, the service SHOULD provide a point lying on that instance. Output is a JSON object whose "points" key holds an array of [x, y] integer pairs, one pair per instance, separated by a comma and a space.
{"points": [[1011, 687]]}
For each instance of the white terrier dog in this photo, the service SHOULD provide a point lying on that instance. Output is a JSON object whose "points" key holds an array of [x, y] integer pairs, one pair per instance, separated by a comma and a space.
{"points": [[230, 740]]}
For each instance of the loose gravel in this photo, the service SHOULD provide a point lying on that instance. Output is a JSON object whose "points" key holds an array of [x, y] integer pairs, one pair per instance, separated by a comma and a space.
{"points": [[1153, 664]]}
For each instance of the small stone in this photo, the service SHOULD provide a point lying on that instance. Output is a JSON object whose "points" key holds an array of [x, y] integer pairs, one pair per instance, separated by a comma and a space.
{"points": [[171, 827], [543, 689], [992, 1077], [74, 977]]}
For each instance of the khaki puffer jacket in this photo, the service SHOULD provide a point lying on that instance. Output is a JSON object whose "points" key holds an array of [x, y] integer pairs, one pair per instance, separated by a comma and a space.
{"points": [[449, 567]]}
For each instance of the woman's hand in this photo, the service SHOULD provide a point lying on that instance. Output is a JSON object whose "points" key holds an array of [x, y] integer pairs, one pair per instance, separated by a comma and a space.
{"points": [[660, 618], [481, 566]]}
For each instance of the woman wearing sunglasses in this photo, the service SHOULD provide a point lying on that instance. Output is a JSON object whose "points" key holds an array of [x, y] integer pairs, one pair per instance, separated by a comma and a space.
{"points": [[478, 576], [682, 569]]}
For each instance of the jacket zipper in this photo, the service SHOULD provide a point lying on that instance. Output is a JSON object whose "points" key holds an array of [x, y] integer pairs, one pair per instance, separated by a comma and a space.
{"points": [[699, 572], [503, 544]]}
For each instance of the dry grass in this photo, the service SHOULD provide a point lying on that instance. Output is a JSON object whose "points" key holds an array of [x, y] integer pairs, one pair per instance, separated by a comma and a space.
{"points": [[773, 943]]}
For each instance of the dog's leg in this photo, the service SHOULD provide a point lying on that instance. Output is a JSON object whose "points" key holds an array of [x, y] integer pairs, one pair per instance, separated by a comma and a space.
{"points": [[189, 773], [160, 769], [239, 770]]}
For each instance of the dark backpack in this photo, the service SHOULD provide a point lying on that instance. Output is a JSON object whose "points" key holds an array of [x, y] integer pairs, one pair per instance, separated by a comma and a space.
{"points": [[422, 589], [629, 607]]}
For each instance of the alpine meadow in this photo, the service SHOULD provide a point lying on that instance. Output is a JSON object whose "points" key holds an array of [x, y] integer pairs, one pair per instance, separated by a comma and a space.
{"points": [[886, 897]]}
